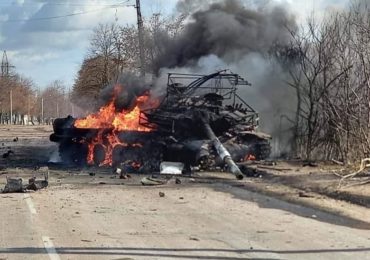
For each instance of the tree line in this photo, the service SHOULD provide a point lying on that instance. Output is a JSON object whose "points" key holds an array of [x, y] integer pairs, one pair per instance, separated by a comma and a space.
{"points": [[22, 102], [330, 73]]}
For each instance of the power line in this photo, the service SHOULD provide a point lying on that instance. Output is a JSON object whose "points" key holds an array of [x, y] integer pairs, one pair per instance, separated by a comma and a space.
{"points": [[115, 6], [61, 3]]}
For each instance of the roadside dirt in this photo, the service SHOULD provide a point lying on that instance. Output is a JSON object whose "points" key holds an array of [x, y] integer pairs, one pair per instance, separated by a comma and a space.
{"points": [[316, 187]]}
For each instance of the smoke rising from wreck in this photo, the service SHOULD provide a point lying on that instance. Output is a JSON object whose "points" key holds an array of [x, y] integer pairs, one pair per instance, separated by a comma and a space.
{"points": [[132, 86], [228, 30], [226, 34]]}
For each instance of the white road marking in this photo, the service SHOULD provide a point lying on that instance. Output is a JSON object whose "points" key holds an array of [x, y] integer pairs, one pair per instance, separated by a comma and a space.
{"points": [[30, 204], [50, 249]]}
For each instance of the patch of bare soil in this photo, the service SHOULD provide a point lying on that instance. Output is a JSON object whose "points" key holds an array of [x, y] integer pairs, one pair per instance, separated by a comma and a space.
{"points": [[321, 179], [316, 186]]}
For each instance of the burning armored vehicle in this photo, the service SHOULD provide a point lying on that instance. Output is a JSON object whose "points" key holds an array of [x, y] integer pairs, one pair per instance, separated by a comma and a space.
{"points": [[200, 121]]}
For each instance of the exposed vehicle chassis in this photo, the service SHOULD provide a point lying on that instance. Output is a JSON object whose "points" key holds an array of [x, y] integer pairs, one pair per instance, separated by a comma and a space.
{"points": [[201, 121]]}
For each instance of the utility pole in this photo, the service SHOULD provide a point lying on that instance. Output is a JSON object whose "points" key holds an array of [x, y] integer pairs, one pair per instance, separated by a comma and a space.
{"points": [[5, 66], [42, 111], [5, 74], [141, 37], [11, 107]]}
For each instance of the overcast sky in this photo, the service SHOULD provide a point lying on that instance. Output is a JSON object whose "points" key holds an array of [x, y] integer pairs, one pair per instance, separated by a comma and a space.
{"points": [[53, 49]]}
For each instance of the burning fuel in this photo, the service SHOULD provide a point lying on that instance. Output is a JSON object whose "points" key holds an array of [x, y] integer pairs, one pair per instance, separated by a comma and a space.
{"points": [[200, 122], [117, 121], [109, 117]]}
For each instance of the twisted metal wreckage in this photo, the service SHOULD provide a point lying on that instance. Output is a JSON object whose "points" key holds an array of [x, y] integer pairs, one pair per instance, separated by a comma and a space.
{"points": [[201, 121]]}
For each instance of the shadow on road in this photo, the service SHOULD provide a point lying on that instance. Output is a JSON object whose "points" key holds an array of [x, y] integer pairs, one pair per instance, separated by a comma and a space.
{"points": [[247, 192], [185, 253]]}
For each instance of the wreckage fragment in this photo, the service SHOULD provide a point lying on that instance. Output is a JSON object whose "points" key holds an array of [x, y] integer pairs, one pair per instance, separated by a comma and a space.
{"points": [[14, 185], [222, 152]]}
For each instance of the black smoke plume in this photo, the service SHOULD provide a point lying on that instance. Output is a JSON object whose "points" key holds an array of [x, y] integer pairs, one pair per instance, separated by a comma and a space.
{"points": [[126, 89], [228, 30]]}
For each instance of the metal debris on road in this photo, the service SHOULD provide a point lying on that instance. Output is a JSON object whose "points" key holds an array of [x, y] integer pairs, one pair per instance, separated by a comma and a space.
{"points": [[150, 181]]}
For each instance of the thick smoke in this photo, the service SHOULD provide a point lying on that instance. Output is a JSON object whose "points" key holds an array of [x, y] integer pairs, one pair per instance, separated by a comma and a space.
{"points": [[225, 34], [228, 30], [125, 89]]}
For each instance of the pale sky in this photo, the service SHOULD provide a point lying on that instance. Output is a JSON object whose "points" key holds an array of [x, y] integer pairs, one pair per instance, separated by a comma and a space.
{"points": [[53, 49]]}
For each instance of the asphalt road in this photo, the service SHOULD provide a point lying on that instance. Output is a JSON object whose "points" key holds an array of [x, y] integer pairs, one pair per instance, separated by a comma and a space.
{"points": [[200, 221]]}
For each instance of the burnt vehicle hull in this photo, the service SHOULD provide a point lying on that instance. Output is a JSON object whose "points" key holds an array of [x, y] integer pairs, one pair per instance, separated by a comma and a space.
{"points": [[154, 147], [196, 123]]}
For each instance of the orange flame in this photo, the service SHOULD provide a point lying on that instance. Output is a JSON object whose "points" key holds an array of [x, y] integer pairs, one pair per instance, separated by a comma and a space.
{"points": [[250, 157], [108, 118]]}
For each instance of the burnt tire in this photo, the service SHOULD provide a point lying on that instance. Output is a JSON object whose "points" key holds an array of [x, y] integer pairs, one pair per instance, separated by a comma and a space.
{"points": [[72, 153], [261, 150]]}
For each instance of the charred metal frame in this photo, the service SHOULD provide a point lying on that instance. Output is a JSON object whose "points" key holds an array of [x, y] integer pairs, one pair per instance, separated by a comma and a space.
{"points": [[197, 83]]}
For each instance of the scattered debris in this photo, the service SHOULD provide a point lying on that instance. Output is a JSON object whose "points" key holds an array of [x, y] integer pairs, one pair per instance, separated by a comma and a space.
{"points": [[13, 185], [365, 163], [7, 154], [302, 194], [337, 162], [161, 194], [34, 184], [171, 168], [310, 164], [274, 168], [117, 170], [250, 171], [16, 184], [151, 181]]}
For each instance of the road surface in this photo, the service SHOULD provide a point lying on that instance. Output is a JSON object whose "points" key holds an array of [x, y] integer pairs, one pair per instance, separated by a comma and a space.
{"points": [[191, 221]]}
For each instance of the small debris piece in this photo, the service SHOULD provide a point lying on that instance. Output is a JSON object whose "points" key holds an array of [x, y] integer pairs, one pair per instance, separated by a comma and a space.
{"points": [[92, 173], [249, 171], [148, 181], [13, 185], [7, 154], [301, 194], [102, 183], [181, 198], [15, 139], [35, 185], [194, 238], [177, 181], [171, 168], [310, 164], [161, 194], [337, 162]]}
